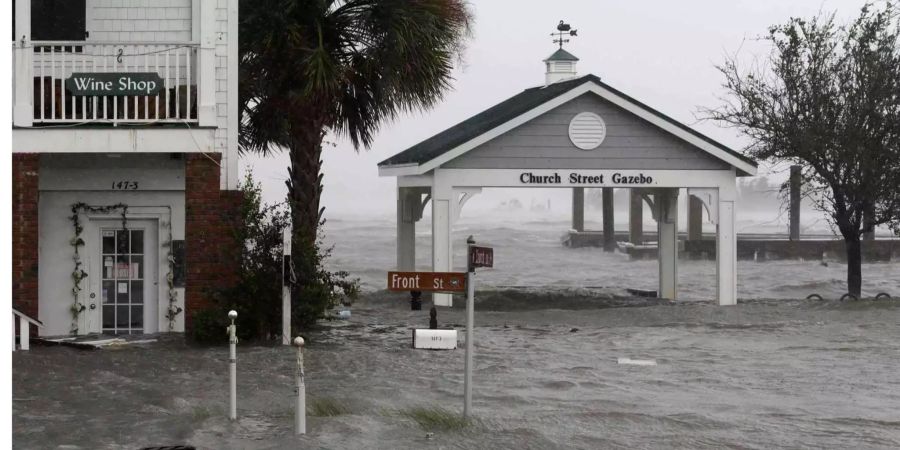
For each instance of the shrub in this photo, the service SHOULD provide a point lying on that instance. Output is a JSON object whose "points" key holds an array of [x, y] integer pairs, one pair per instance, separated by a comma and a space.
{"points": [[257, 294]]}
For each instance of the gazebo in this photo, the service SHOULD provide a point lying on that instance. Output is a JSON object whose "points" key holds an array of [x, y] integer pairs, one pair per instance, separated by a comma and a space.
{"points": [[574, 132]]}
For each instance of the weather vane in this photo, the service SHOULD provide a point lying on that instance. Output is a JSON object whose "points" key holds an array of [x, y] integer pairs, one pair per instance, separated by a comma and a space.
{"points": [[563, 30]]}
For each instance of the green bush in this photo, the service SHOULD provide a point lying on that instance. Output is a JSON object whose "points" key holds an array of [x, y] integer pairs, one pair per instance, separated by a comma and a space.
{"points": [[209, 326]]}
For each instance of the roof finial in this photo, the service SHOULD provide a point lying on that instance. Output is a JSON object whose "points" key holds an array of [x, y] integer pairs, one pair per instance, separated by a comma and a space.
{"points": [[563, 30]]}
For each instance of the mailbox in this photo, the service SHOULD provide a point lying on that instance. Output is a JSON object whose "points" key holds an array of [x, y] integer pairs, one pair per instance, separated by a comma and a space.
{"points": [[434, 339]]}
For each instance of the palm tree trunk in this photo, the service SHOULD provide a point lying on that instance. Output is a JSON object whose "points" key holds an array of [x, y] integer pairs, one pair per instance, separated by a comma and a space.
{"points": [[304, 181], [304, 188]]}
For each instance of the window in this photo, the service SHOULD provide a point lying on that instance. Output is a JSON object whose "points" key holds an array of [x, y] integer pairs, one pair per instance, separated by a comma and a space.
{"points": [[58, 20]]}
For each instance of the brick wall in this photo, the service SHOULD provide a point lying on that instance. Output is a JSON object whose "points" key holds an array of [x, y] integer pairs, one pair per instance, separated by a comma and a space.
{"points": [[211, 252], [25, 232]]}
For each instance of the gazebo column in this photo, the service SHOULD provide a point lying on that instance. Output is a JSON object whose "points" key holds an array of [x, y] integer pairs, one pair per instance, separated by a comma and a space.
{"points": [[635, 217], [578, 209], [409, 211], [666, 204], [609, 220], [695, 219], [726, 248], [442, 235]]}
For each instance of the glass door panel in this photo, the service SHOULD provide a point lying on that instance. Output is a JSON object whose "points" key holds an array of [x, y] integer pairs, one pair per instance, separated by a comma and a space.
{"points": [[122, 283]]}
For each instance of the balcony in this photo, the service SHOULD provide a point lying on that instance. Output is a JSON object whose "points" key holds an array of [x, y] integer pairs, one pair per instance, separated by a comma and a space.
{"points": [[53, 62], [65, 93]]}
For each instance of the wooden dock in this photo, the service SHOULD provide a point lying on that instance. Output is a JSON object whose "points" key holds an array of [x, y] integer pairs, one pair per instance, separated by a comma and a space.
{"points": [[750, 246]]}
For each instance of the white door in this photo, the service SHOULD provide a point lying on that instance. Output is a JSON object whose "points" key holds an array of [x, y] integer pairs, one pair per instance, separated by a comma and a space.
{"points": [[124, 278]]}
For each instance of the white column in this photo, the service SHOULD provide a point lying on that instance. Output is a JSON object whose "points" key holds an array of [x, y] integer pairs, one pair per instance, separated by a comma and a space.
{"points": [[23, 112], [407, 207], [666, 202], [231, 168], [441, 234], [206, 65], [726, 250]]}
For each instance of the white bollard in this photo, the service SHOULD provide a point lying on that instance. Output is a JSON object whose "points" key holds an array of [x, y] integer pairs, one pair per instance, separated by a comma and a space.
{"points": [[300, 407], [232, 365]]}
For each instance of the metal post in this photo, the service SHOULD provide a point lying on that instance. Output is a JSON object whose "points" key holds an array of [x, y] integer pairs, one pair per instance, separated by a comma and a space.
{"points": [[232, 365], [286, 276], [300, 406], [470, 333]]}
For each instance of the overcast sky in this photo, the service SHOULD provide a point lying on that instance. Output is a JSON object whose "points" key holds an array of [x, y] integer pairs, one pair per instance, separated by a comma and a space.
{"points": [[660, 52]]}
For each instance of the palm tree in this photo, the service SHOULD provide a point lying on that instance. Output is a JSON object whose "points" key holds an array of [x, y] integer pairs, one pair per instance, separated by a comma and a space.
{"points": [[313, 67]]}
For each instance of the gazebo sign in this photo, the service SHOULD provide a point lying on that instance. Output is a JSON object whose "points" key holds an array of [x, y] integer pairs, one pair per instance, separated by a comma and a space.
{"points": [[114, 83]]}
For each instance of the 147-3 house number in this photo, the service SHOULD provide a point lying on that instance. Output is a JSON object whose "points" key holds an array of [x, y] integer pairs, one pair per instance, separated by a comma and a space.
{"points": [[125, 185]]}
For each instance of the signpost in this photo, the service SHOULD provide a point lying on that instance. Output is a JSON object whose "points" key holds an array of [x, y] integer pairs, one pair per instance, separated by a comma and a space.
{"points": [[452, 282]]}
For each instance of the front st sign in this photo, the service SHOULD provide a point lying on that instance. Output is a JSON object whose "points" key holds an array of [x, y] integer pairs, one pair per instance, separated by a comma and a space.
{"points": [[427, 281]]}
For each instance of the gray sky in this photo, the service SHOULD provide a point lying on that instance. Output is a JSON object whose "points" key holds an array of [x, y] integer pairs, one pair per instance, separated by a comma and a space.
{"points": [[661, 52]]}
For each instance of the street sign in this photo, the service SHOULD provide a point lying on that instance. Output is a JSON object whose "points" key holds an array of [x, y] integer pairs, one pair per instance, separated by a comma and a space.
{"points": [[481, 256], [427, 281]]}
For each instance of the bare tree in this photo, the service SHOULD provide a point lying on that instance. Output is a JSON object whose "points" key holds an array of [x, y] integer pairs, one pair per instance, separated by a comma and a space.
{"points": [[828, 98]]}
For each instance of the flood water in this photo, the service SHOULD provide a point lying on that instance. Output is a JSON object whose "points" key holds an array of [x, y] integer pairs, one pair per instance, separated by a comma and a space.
{"points": [[785, 374], [771, 372]]}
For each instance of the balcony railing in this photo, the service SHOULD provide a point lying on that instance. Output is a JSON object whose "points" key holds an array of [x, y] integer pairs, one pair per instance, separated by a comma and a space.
{"points": [[55, 61]]}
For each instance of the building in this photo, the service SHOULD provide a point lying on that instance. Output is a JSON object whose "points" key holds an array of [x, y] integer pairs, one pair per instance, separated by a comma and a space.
{"points": [[125, 161], [572, 132]]}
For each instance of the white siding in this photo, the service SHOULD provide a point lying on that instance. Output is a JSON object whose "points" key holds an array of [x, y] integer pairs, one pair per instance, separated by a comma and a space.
{"points": [[544, 143], [140, 20]]}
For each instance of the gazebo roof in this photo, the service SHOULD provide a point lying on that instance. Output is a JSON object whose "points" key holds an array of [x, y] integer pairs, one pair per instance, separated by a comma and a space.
{"points": [[425, 153]]}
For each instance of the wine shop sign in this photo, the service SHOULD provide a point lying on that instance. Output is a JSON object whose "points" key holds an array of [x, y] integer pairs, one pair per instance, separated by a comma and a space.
{"points": [[114, 83]]}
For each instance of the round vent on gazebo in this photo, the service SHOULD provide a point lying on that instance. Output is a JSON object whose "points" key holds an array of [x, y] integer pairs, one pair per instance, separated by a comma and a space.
{"points": [[587, 130]]}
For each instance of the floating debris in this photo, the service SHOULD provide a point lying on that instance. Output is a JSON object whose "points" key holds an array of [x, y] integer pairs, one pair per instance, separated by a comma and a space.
{"points": [[637, 362]]}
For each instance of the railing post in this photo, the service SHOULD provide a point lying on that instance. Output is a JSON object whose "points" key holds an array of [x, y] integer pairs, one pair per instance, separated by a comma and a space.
{"points": [[23, 112], [206, 65], [24, 331]]}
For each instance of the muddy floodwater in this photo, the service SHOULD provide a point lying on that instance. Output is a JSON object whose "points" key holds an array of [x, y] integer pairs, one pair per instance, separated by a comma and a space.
{"points": [[763, 374]]}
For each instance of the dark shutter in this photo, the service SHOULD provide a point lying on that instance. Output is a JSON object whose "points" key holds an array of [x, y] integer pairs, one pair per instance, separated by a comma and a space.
{"points": [[58, 20]]}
